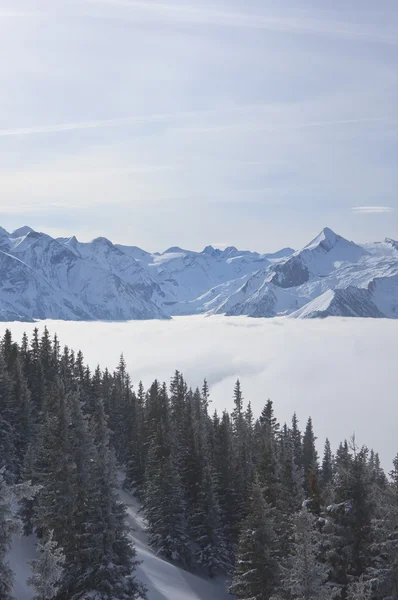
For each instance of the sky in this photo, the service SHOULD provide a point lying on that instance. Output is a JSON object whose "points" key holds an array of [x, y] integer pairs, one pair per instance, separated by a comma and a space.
{"points": [[340, 371], [252, 123]]}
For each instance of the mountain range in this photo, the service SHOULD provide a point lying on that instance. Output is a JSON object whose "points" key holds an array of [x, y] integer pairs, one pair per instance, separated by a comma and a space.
{"points": [[42, 277]]}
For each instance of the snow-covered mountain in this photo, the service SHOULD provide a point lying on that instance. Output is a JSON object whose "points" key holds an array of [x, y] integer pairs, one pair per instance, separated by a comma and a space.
{"points": [[42, 277]]}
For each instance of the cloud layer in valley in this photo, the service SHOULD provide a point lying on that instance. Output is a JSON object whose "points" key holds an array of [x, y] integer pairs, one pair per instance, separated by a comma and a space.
{"points": [[342, 372]]}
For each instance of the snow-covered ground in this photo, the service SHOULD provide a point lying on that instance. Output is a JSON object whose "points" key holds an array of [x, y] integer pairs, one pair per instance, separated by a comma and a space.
{"points": [[163, 580], [341, 371]]}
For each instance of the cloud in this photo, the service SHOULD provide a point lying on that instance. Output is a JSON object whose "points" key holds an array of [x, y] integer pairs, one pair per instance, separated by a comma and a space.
{"points": [[208, 16], [371, 209], [294, 363], [167, 118]]}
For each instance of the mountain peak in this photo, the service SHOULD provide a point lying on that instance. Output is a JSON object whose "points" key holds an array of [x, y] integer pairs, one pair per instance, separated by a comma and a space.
{"points": [[72, 240], [392, 242], [174, 250], [326, 239], [22, 231], [329, 233], [101, 241]]}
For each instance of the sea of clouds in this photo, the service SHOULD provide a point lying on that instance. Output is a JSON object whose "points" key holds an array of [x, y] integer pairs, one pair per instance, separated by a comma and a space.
{"points": [[342, 372]]}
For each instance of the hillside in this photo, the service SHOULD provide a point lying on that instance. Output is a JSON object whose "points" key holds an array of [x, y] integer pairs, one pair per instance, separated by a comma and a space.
{"points": [[164, 580]]}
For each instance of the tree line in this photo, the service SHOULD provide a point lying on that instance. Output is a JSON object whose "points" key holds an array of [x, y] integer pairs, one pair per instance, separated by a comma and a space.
{"points": [[221, 493]]}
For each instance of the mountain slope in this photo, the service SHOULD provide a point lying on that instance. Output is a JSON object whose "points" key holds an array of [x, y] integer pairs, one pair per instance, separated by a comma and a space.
{"points": [[164, 580], [330, 276], [42, 277]]}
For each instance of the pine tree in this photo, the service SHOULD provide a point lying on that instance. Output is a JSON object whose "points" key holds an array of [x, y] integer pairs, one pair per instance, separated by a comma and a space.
{"points": [[47, 570], [22, 418], [213, 553], [266, 439], [297, 442], [256, 571], [359, 590], [351, 520], [327, 466], [224, 471], [291, 479], [305, 578], [310, 456], [164, 506], [111, 554], [383, 570]]}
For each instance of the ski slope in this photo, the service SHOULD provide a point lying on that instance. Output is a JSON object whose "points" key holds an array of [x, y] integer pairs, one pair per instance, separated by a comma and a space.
{"points": [[164, 580]]}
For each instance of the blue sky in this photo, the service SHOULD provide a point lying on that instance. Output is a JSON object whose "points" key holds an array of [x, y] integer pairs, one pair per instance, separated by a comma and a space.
{"points": [[244, 122]]}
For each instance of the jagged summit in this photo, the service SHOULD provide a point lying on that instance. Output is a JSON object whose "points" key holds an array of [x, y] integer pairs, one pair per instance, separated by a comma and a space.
{"points": [[72, 240], [22, 231], [211, 250], [326, 239]]}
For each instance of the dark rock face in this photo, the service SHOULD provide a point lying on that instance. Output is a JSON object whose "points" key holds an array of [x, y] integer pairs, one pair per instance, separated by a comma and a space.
{"points": [[291, 273], [350, 302]]}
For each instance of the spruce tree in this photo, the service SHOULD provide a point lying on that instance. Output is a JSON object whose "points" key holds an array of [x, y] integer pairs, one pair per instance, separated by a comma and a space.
{"points": [[47, 570], [310, 457], [256, 571], [297, 442], [351, 518], [305, 578], [359, 590], [327, 466], [164, 506], [267, 432]]}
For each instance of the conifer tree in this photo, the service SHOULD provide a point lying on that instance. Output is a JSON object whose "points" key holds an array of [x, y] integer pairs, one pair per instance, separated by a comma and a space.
{"points": [[8, 455], [213, 553], [10, 525], [266, 438], [256, 571], [359, 590], [47, 570], [351, 516], [297, 442], [305, 577], [327, 466], [310, 456], [230, 505], [164, 506]]}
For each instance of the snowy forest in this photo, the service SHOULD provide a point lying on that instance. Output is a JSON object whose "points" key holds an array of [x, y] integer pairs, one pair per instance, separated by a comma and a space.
{"points": [[224, 494]]}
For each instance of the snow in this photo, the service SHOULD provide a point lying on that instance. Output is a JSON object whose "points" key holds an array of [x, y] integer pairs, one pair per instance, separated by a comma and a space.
{"points": [[342, 371], [319, 304], [23, 550], [69, 279], [164, 580]]}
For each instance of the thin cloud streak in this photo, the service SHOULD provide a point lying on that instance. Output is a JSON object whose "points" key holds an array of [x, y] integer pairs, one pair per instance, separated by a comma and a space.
{"points": [[134, 120], [372, 209], [194, 15]]}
